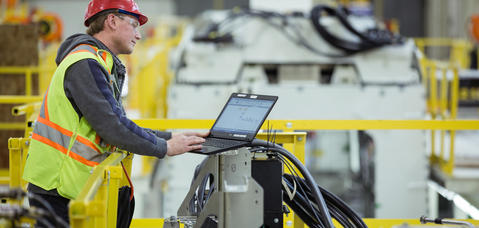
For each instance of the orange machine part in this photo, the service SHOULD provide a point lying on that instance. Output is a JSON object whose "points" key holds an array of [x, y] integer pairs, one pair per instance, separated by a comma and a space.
{"points": [[474, 27]]}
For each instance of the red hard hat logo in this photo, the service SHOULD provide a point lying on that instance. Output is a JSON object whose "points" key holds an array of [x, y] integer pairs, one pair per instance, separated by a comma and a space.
{"points": [[96, 6]]}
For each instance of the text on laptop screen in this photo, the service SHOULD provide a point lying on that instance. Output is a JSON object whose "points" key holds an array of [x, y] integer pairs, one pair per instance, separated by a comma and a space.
{"points": [[242, 115]]}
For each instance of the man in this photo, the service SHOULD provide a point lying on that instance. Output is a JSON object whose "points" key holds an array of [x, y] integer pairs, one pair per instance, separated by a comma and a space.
{"points": [[82, 118]]}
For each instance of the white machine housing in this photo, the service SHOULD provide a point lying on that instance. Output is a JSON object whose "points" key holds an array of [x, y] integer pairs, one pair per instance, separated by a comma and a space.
{"points": [[378, 84]]}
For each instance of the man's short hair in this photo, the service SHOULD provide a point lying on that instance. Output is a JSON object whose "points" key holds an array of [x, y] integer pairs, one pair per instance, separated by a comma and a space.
{"points": [[95, 23]]}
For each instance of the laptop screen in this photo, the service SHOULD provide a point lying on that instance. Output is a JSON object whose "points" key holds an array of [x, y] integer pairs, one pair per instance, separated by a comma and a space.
{"points": [[242, 116]]}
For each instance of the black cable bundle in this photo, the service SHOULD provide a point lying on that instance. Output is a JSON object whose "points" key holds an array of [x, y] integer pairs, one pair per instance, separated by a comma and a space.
{"points": [[314, 205], [339, 210], [373, 38], [221, 32]]}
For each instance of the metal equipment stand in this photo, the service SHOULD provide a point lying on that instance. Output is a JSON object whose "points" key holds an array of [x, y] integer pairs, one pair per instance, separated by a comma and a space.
{"points": [[236, 200]]}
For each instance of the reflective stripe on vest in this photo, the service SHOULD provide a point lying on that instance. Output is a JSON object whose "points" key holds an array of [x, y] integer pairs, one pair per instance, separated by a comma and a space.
{"points": [[53, 135]]}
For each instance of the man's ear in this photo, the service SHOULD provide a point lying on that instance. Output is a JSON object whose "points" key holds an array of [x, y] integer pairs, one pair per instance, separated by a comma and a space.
{"points": [[111, 22]]}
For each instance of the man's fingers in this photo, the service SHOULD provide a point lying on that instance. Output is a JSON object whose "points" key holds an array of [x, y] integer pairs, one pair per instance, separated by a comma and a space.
{"points": [[195, 147], [196, 140]]}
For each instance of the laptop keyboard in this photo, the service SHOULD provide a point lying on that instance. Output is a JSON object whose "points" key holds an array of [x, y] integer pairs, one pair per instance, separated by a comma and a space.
{"points": [[221, 143]]}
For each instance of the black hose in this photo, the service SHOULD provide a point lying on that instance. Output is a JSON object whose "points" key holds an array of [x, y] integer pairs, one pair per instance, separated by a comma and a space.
{"points": [[315, 211], [375, 38], [45, 222], [309, 179], [302, 213], [335, 212], [333, 202]]}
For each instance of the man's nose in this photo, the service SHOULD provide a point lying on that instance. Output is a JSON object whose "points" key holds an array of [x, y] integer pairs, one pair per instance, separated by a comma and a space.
{"points": [[137, 35]]}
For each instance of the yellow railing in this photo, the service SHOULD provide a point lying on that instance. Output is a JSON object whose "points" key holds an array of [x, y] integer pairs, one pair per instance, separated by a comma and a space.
{"points": [[18, 150], [44, 74], [20, 99], [30, 111], [442, 103], [458, 49], [292, 125], [444, 124], [96, 205], [43, 71]]}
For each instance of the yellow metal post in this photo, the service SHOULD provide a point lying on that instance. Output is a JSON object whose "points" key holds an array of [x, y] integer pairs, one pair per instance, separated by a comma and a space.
{"points": [[28, 82], [114, 175], [449, 169], [15, 157], [424, 67], [89, 209], [443, 107], [97, 209], [432, 106], [16, 147]]}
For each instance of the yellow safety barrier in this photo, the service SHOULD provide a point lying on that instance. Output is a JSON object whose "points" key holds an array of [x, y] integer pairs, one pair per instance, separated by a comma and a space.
{"points": [[458, 49], [30, 111], [97, 203], [18, 149], [43, 71], [442, 103], [28, 71], [16, 100], [291, 125], [450, 124]]}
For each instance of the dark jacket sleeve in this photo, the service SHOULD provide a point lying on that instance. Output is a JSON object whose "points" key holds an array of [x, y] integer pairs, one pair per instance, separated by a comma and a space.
{"points": [[89, 92], [162, 134]]}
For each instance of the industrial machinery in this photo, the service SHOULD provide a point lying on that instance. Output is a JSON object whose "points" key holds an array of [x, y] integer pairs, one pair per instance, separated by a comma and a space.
{"points": [[324, 64], [246, 187], [14, 214]]}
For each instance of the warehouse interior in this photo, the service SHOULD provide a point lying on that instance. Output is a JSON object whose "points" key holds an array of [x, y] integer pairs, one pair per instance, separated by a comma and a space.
{"points": [[377, 111]]}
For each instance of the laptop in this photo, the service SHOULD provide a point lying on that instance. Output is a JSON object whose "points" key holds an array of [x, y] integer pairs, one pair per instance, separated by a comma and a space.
{"points": [[238, 122]]}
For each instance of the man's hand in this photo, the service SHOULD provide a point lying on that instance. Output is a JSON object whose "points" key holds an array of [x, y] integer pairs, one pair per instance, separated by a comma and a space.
{"points": [[184, 142]]}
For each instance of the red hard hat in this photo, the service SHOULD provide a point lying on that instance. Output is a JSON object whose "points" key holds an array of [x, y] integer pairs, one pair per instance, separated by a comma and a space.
{"points": [[130, 6]]}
